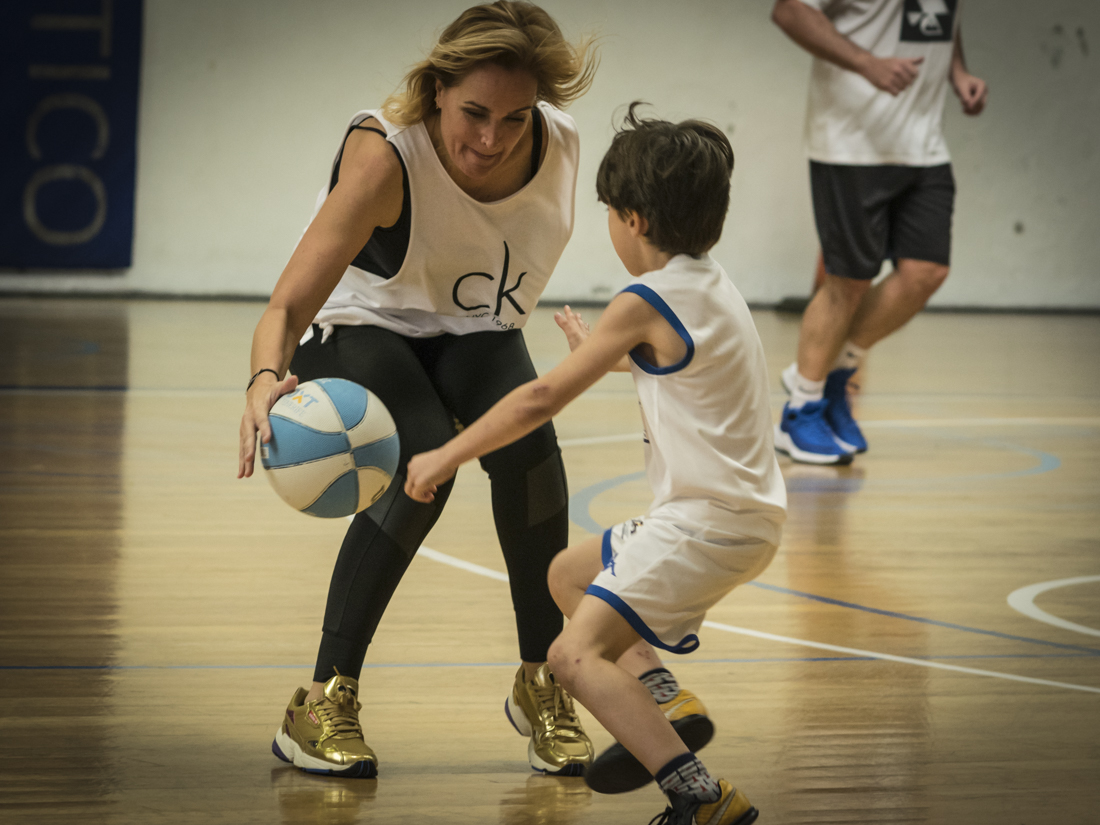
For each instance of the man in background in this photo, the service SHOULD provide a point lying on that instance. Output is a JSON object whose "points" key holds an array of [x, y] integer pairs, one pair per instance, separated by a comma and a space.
{"points": [[882, 187]]}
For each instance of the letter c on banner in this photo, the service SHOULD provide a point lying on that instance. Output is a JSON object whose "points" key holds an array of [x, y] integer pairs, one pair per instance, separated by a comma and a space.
{"points": [[82, 103], [64, 171]]}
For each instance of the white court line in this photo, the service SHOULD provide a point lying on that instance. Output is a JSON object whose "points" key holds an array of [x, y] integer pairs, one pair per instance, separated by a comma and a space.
{"points": [[868, 654], [1023, 601], [443, 558], [599, 439], [885, 424], [984, 422], [889, 657]]}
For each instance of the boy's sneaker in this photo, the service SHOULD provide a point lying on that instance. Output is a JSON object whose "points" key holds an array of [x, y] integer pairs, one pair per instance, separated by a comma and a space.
{"points": [[617, 771], [805, 436], [732, 808], [324, 736], [838, 414], [543, 710]]}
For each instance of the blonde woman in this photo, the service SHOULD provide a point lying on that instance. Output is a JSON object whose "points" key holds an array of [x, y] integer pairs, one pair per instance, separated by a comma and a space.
{"points": [[444, 217]]}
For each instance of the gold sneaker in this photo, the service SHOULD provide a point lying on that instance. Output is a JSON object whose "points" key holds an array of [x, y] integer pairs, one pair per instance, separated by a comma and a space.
{"points": [[543, 710], [617, 771], [324, 736], [732, 808]]}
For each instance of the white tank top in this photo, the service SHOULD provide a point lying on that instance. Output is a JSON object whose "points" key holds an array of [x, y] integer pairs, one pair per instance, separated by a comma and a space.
{"points": [[708, 422], [849, 121], [470, 266]]}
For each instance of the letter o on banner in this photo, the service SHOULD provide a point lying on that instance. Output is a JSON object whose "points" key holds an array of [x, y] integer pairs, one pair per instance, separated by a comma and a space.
{"points": [[64, 171]]}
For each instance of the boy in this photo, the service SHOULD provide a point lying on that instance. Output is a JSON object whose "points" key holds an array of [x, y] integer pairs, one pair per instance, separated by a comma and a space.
{"points": [[686, 335]]}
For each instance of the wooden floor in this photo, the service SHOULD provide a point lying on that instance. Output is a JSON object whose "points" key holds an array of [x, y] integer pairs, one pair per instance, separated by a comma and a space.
{"points": [[156, 614]]}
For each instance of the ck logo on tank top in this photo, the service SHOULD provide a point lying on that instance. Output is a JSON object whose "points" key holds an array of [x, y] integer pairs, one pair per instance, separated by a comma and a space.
{"points": [[504, 292], [928, 21]]}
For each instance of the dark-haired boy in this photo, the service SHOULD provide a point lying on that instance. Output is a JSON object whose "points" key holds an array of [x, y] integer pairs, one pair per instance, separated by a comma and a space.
{"points": [[687, 336]]}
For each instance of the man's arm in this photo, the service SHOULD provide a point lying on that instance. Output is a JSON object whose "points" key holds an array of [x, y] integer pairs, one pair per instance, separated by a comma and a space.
{"points": [[625, 324], [971, 90], [813, 31]]}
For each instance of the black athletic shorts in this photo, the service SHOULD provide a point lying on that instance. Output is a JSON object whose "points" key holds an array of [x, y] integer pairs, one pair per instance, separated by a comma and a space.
{"points": [[868, 214]]}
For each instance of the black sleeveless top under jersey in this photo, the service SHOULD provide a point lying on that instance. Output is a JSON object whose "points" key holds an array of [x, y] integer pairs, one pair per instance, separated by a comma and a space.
{"points": [[384, 253]]}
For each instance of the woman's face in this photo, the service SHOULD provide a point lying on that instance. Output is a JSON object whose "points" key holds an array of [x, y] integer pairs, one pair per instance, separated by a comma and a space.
{"points": [[483, 117]]}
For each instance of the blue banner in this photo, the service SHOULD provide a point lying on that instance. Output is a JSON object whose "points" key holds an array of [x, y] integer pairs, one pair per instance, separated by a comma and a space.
{"points": [[68, 132]]}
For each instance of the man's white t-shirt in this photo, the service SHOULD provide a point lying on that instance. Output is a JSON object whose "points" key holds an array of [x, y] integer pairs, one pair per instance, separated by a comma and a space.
{"points": [[848, 120]]}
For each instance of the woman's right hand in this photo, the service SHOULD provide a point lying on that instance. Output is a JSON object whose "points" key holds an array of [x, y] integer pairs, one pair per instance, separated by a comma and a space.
{"points": [[259, 400]]}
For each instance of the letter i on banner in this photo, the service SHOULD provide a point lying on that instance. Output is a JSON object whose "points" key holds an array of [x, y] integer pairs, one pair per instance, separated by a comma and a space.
{"points": [[68, 132]]}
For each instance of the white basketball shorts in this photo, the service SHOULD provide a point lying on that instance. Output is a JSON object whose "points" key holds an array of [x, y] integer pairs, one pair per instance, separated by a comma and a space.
{"points": [[663, 577]]}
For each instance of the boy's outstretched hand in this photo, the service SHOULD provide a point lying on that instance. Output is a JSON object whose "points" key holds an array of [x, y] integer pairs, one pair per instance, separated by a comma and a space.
{"points": [[426, 471], [574, 327]]}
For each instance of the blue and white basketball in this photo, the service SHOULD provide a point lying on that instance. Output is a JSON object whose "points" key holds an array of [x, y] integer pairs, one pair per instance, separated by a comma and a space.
{"points": [[333, 449]]}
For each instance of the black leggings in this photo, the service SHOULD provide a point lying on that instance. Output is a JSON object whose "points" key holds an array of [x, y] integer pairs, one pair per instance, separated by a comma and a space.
{"points": [[428, 383]]}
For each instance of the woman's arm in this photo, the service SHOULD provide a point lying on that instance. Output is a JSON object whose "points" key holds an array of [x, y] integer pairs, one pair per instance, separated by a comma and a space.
{"points": [[368, 195], [627, 322]]}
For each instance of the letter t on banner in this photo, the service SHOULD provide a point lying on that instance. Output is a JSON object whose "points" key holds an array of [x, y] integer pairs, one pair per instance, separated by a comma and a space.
{"points": [[68, 132]]}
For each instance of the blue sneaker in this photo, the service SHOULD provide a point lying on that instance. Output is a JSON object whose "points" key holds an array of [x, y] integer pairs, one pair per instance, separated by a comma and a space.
{"points": [[838, 415], [805, 436]]}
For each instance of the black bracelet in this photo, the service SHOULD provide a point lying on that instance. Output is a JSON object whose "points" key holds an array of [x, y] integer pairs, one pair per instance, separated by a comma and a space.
{"points": [[252, 380]]}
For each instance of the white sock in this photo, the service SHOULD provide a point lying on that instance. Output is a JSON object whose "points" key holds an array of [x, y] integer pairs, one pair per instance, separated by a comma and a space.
{"points": [[851, 357], [802, 389]]}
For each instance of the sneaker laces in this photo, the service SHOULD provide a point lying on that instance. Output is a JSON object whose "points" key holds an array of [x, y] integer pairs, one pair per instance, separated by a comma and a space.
{"points": [[339, 720], [681, 810], [557, 706], [670, 816]]}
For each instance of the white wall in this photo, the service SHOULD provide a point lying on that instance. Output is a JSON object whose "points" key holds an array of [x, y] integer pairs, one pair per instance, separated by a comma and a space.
{"points": [[243, 103]]}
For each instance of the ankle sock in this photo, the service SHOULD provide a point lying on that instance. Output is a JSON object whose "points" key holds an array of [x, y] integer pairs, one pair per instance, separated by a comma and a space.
{"points": [[688, 777], [661, 683], [851, 356], [802, 389]]}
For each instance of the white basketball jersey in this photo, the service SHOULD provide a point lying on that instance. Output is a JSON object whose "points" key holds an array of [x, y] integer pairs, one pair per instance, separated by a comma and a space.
{"points": [[848, 120], [708, 422], [470, 266]]}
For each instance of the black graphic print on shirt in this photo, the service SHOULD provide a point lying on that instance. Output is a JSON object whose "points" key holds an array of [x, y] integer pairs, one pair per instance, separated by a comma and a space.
{"points": [[928, 21]]}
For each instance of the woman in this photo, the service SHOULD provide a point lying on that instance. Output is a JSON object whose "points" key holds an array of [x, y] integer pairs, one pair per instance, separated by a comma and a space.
{"points": [[445, 215]]}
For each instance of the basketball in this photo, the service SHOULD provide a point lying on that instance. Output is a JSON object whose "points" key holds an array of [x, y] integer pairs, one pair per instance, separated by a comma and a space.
{"points": [[334, 448]]}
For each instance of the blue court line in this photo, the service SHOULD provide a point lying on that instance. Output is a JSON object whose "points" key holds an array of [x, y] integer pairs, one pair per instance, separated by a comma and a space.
{"points": [[895, 615], [581, 501], [414, 665]]}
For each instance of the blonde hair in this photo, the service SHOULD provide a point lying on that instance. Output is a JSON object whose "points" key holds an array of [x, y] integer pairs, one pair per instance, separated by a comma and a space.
{"points": [[516, 35]]}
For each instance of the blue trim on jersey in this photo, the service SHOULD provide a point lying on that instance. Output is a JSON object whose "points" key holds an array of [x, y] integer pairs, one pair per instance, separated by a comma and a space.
{"points": [[606, 555], [686, 645], [657, 302]]}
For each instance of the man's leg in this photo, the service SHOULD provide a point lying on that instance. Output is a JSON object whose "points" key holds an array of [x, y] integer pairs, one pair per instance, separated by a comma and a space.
{"points": [[827, 322], [804, 433], [891, 303]]}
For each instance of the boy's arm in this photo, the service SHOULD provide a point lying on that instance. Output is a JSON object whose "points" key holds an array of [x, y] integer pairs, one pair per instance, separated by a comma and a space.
{"points": [[576, 331], [624, 325]]}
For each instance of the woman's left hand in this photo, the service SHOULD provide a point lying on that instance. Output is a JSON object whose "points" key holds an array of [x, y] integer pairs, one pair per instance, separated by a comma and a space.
{"points": [[425, 473]]}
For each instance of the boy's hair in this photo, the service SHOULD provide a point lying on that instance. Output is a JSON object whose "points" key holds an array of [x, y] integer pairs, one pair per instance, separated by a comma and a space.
{"points": [[675, 175]]}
